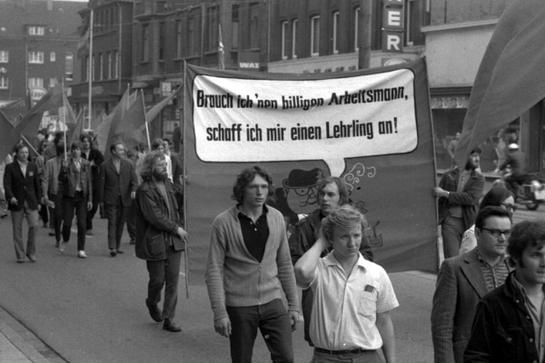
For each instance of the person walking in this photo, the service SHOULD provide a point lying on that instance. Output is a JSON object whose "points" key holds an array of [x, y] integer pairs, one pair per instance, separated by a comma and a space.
{"points": [[249, 273], [509, 324], [464, 280], [95, 158], [76, 189], [160, 237], [117, 189], [50, 187], [353, 297], [23, 192]]}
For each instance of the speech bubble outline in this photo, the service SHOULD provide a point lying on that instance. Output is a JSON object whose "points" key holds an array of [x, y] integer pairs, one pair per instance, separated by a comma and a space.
{"points": [[218, 104]]}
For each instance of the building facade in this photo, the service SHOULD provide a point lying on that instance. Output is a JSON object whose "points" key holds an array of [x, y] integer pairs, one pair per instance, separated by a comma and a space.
{"points": [[455, 42], [38, 43], [109, 64]]}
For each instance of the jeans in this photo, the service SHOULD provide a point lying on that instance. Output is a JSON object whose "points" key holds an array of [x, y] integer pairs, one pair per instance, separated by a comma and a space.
{"points": [[56, 215], [115, 213], [17, 224], [79, 204], [372, 356], [273, 321], [165, 273], [452, 231]]}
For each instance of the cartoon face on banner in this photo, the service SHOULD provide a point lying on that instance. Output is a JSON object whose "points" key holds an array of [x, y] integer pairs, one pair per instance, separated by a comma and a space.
{"points": [[281, 120]]}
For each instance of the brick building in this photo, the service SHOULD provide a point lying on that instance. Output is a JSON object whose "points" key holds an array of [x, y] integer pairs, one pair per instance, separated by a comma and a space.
{"points": [[38, 42]]}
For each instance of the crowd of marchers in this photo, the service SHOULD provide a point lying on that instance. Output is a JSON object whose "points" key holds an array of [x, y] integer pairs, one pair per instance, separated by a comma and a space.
{"points": [[488, 305]]}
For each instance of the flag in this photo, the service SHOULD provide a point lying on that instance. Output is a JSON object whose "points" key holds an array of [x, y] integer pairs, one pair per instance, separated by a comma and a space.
{"points": [[7, 138], [83, 42], [221, 50], [48, 105], [157, 108], [13, 112], [77, 129], [128, 128], [511, 76], [103, 129]]}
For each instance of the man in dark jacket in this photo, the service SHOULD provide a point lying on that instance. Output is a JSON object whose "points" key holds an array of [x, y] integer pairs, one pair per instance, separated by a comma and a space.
{"points": [[160, 237], [459, 192], [95, 158], [23, 193], [117, 190], [509, 325]]}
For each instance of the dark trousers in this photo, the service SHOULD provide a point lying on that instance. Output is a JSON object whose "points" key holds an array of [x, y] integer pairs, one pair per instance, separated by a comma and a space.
{"points": [[115, 213], [17, 217], [44, 215], [131, 221], [273, 321], [91, 213], [56, 215], [306, 305], [78, 204], [165, 273], [452, 230]]}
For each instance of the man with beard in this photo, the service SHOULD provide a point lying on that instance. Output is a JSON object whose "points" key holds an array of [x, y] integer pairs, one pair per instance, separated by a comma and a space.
{"points": [[332, 193], [160, 237]]}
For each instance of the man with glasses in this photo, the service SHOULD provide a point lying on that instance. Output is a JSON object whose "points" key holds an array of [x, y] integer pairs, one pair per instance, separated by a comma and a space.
{"points": [[464, 280]]}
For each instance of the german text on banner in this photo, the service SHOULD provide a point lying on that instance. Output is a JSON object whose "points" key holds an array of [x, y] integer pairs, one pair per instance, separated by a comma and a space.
{"points": [[371, 128]]}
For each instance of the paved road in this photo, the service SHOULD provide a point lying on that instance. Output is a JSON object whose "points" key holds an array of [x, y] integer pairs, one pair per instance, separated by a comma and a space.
{"points": [[93, 310]]}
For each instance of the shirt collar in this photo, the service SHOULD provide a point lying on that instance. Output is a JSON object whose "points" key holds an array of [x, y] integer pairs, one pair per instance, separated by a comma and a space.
{"points": [[482, 260], [239, 212], [330, 260]]}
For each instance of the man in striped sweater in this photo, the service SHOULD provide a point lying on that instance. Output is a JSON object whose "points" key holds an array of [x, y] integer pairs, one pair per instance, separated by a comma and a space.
{"points": [[249, 273]]}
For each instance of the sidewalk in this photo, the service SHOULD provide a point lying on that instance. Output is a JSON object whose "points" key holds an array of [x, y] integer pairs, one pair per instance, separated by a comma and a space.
{"points": [[20, 345]]}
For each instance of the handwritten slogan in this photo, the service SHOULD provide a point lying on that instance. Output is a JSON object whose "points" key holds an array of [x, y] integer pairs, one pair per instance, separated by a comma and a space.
{"points": [[242, 120]]}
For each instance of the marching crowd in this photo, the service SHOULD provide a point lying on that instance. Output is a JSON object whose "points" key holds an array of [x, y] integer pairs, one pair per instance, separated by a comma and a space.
{"points": [[488, 305]]}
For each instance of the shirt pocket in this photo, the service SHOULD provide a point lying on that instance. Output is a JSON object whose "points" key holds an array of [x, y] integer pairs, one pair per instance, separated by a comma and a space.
{"points": [[367, 303]]}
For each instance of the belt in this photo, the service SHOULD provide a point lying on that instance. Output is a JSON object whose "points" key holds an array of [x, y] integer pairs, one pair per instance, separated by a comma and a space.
{"points": [[347, 351]]}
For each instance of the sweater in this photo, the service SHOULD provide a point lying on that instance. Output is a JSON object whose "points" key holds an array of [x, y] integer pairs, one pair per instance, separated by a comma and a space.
{"points": [[235, 278]]}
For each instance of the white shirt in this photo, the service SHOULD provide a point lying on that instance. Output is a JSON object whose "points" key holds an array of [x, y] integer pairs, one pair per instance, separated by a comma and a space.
{"points": [[345, 311], [169, 167]]}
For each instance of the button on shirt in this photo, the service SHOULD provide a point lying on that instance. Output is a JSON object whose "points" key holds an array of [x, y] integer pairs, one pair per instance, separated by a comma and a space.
{"points": [[344, 311], [255, 234]]}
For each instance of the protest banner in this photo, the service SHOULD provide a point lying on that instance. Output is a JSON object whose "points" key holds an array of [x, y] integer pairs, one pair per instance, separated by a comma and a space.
{"points": [[372, 128]]}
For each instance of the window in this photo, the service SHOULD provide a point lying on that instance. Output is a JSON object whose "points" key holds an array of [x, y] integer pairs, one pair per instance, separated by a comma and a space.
{"points": [[335, 34], [162, 37], [53, 82], [235, 24], [356, 29], [192, 36], [84, 68], [294, 24], [93, 67], [285, 43], [35, 57], [4, 82], [212, 29], [35, 82], [69, 66], [146, 39], [254, 25], [36, 30], [315, 35], [52, 57], [100, 66], [115, 65], [109, 71], [179, 39], [4, 56], [413, 34]]}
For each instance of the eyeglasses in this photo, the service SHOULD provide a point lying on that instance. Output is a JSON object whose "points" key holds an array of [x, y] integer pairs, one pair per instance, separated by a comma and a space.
{"points": [[498, 232], [511, 207]]}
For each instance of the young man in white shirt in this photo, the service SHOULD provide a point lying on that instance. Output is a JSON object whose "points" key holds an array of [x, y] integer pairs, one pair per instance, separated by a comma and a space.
{"points": [[353, 297]]}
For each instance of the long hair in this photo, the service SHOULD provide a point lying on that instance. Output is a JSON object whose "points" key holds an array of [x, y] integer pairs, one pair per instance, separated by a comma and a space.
{"points": [[146, 169], [245, 177], [344, 197], [343, 217]]}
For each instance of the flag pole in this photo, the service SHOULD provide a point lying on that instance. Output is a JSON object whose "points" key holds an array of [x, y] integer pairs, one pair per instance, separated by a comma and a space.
{"points": [[63, 107], [186, 251], [145, 120], [90, 71]]}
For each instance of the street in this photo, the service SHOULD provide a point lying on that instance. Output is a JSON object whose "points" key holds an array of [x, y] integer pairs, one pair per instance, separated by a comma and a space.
{"points": [[93, 310]]}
